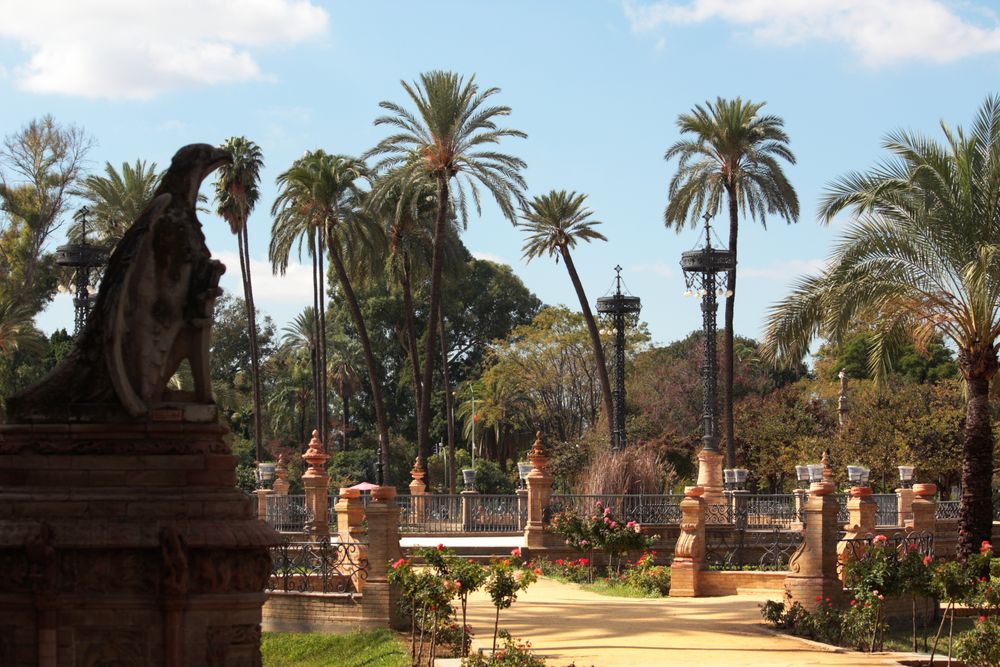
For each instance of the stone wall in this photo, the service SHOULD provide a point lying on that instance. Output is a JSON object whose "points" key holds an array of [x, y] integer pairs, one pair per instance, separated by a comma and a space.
{"points": [[327, 612]]}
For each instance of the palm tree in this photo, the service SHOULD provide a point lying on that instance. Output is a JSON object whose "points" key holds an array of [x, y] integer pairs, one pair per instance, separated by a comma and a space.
{"points": [[299, 339], [449, 137], [115, 199], [236, 193], [322, 191], [920, 259], [555, 222], [17, 329], [733, 151]]}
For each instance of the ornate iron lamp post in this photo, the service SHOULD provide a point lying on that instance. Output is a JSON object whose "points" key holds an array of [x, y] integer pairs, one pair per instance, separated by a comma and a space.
{"points": [[700, 267], [81, 256], [620, 308]]}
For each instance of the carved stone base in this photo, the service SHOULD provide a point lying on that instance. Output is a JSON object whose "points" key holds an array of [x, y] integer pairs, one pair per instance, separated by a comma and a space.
{"points": [[684, 578], [710, 476], [127, 544]]}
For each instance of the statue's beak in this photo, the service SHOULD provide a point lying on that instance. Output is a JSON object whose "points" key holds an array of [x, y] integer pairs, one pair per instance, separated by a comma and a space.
{"points": [[219, 157]]}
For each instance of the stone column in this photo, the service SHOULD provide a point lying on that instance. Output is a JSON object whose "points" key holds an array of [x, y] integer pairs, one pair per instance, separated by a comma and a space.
{"points": [[350, 515], [280, 486], [861, 510], [417, 490], [904, 505], [924, 509], [689, 553], [522, 507], [262, 495], [813, 567], [315, 482], [801, 495], [710, 476], [468, 507], [539, 483], [383, 549]]}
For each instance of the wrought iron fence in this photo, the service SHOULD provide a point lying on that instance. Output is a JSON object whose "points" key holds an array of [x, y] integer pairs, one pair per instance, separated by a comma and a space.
{"points": [[749, 510], [757, 549], [493, 513], [319, 567], [895, 546], [287, 514], [887, 509], [430, 513], [947, 509], [647, 509]]}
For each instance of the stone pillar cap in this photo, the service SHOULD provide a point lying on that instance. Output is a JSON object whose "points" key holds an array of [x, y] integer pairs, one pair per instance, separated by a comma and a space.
{"points": [[822, 488], [347, 492], [694, 491], [861, 491], [925, 490]]}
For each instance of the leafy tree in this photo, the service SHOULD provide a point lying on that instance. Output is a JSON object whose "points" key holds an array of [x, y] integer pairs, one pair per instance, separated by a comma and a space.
{"points": [[42, 162], [732, 151], [555, 222], [236, 193], [449, 137], [116, 199], [919, 260], [935, 364]]}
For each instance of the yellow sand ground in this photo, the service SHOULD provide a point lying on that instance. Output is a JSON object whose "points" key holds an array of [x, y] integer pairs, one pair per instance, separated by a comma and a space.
{"points": [[566, 624]]}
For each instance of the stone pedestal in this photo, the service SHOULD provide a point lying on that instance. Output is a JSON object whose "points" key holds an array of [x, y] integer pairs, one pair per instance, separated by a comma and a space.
{"points": [[801, 496], [127, 544], [689, 552], [418, 488], [710, 476], [383, 548], [280, 486], [468, 507], [262, 495], [813, 567], [315, 483], [539, 483], [924, 509]]}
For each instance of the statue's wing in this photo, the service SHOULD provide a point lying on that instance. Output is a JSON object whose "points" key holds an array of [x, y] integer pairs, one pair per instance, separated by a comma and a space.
{"points": [[115, 334]]}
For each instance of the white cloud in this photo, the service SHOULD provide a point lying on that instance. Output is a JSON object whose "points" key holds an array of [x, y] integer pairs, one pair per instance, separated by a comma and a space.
{"points": [[784, 270], [292, 291], [137, 50], [879, 32], [490, 257]]}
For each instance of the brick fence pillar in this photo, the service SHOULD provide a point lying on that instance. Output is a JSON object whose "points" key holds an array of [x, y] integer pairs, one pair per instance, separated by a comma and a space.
{"points": [[861, 511], [522, 507], [383, 548], [924, 509], [418, 488], [539, 492], [904, 505], [315, 482], [280, 485], [689, 552], [262, 495], [813, 567], [350, 515]]}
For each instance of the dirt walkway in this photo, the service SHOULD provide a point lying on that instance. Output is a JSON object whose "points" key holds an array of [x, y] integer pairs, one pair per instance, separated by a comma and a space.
{"points": [[568, 625]]}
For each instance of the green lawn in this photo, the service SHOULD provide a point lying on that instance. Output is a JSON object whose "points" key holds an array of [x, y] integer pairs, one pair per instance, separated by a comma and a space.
{"points": [[372, 648]]}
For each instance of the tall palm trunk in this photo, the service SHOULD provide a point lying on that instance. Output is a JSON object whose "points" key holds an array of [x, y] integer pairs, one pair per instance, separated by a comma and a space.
{"points": [[324, 378], [448, 407], [595, 339], [345, 400], [243, 244], [727, 344], [429, 340], [412, 348], [975, 518], [317, 335], [366, 347]]}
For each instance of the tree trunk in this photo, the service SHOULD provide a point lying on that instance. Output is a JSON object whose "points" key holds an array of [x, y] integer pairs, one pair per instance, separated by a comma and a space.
{"points": [[975, 518], [314, 352], [429, 339], [448, 407], [595, 340], [243, 243], [345, 398], [412, 350], [324, 405], [727, 343], [366, 347]]}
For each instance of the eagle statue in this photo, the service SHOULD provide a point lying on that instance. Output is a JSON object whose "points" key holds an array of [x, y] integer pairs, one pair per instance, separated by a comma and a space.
{"points": [[153, 310]]}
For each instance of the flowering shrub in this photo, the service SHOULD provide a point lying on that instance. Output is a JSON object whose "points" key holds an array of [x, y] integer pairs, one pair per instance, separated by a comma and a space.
{"points": [[601, 531], [504, 581], [576, 571], [647, 576], [980, 647], [513, 653]]}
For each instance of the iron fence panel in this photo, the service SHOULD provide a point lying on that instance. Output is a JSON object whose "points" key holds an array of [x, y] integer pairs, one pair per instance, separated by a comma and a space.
{"points": [[320, 567], [287, 514]]}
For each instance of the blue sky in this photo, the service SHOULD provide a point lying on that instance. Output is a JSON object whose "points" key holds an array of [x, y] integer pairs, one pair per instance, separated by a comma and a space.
{"points": [[596, 85]]}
